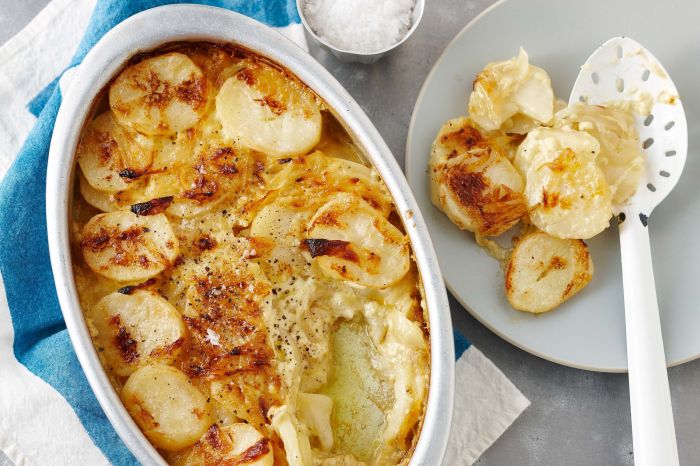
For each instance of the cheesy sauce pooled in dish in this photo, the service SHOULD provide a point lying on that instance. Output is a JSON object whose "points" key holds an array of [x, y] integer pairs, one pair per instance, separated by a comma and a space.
{"points": [[245, 277]]}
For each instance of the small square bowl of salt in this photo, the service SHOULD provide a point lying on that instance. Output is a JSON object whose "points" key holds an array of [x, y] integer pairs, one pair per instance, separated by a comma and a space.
{"points": [[360, 30]]}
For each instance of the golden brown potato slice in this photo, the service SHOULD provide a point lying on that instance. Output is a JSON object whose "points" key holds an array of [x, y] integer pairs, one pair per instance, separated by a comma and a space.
{"points": [[312, 178], [352, 242], [123, 246], [109, 202], [99, 199], [545, 271], [160, 95], [202, 169], [238, 443], [170, 411], [111, 155], [267, 110], [472, 182], [284, 227], [135, 328], [566, 192]]}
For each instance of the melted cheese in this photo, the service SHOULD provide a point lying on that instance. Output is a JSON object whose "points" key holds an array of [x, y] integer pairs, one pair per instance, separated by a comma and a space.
{"points": [[277, 332]]}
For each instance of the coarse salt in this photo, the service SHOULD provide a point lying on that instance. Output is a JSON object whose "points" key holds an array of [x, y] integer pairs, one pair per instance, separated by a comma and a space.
{"points": [[213, 338], [363, 26]]}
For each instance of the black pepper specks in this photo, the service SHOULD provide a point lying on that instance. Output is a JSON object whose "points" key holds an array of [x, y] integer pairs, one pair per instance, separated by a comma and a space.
{"points": [[129, 173], [126, 289]]}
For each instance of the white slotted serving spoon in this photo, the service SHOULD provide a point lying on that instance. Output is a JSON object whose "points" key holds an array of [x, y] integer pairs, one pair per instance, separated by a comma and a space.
{"points": [[621, 69]]}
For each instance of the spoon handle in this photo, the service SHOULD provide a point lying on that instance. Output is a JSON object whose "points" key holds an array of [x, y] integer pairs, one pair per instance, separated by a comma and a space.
{"points": [[653, 432]]}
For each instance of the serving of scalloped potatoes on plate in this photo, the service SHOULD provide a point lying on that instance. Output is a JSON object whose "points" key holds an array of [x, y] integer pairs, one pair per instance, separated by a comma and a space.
{"points": [[246, 280], [523, 159]]}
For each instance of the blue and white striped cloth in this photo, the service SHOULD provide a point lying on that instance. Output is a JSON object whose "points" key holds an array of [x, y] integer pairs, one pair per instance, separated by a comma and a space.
{"points": [[48, 414]]}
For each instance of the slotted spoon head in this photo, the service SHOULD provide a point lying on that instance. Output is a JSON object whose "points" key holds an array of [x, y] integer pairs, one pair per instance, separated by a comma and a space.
{"points": [[622, 70]]}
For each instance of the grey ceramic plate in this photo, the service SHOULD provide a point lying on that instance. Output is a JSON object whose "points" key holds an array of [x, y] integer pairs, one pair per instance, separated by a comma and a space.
{"points": [[588, 331]]}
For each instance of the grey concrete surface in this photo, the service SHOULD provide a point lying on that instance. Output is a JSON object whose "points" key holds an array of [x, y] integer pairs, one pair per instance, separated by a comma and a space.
{"points": [[577, 418], [14, 14]]}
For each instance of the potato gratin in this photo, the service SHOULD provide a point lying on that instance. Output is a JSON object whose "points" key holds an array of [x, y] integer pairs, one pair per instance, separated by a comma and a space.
{"points": [[246, 280], [523, 157]]}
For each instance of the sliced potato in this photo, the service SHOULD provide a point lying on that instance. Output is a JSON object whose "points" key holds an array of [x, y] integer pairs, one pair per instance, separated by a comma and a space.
{"points": [[213, 277], [301, 187], [238, 443], [99, 199], [573, 201], [284, 226], [350, 241], [197, 238], [174, 150], [123, 246], [215, 266], [620, 158], [160, 95], [472, 182], [315, 411], [109, 202], [197, 186], [280, 221], [268, 111], [312, 178], [136, 329], [543, 144], [566, 191], [171, 154], [360, 180], [460, 136], [545, 271], [243, 390], [534, 98], [305, 183], [224, 296], [111, 156], [219, 172], [170, 411], [512, 95], [201, 169], [484, 197]]}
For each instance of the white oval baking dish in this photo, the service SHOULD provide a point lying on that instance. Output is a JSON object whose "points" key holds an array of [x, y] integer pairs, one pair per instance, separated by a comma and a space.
{"points": [[148, 30]]}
